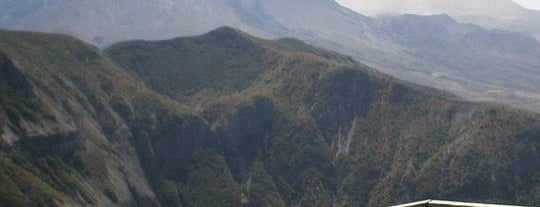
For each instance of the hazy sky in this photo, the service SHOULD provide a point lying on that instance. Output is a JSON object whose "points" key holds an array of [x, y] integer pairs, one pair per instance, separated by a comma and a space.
{"points": [[531, 4]]}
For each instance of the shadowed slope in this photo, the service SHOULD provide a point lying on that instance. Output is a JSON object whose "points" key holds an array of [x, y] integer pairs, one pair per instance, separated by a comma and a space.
{"points": [[304, 126], [331, 131]]}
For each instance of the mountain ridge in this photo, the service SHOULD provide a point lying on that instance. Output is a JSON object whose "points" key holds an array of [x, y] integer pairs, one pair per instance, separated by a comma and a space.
{"points": [[346, 106], [452, 63], [312, 128]]}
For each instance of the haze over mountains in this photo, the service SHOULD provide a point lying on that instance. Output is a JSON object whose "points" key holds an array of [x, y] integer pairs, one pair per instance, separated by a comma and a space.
{"points": [[471, 61], [501, 14]]}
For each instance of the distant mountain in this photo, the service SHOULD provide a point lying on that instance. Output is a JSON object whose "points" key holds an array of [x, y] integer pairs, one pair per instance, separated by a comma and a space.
{"points": [[500, 14], [227, 119], [105, 22], [470, 61]]}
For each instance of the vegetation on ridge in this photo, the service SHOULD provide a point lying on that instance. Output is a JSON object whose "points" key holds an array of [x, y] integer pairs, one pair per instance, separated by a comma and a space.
{"points": [[274, 123], [343, 134]]}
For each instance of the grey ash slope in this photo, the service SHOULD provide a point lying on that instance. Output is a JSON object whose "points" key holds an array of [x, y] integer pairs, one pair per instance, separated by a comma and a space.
{"points": [[465, 57], [470, 61], [500, 14]]}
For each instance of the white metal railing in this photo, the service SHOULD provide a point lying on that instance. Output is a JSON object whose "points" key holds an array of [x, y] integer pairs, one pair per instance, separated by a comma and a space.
{"points": [[439, 203]]}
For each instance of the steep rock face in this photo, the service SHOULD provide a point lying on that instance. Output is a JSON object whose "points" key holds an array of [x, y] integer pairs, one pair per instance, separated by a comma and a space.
{"points": [[330, 131], [306, 127], [74, 146], [17, 96], [79, 130]]}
